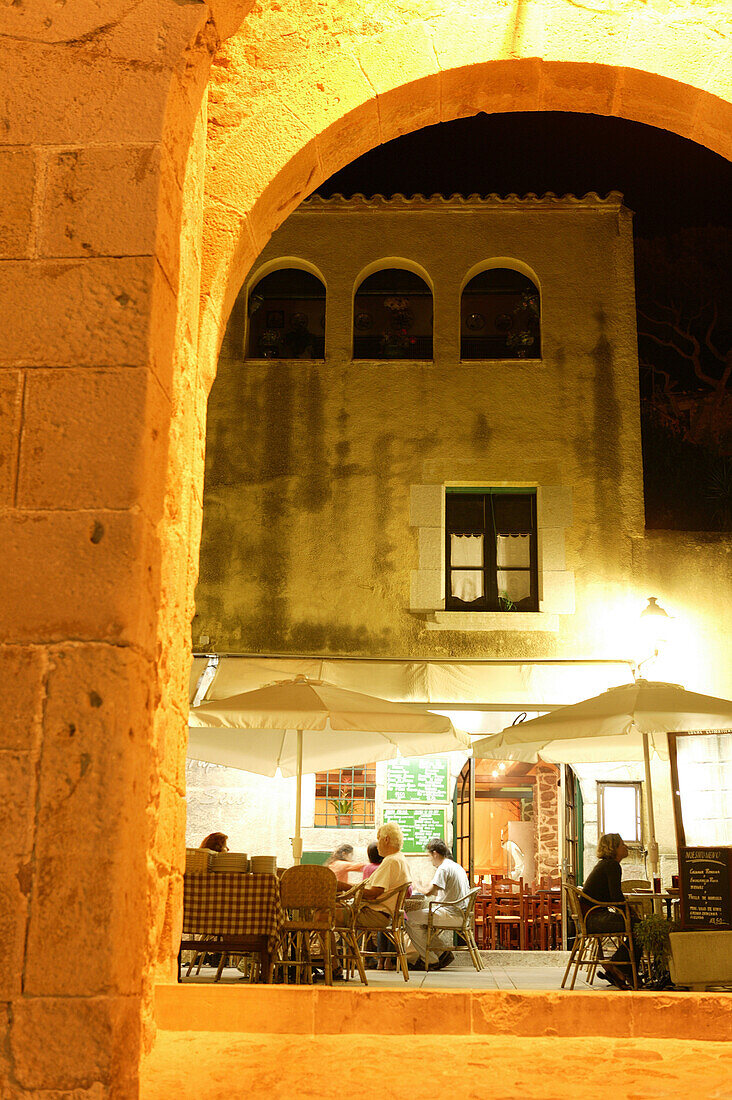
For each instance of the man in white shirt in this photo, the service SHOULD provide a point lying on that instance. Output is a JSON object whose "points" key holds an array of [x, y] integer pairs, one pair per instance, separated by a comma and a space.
{"points": [[449, 884]]}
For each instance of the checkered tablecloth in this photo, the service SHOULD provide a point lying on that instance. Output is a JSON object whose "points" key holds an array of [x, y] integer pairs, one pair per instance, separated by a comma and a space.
{"points": [[232, 905]]}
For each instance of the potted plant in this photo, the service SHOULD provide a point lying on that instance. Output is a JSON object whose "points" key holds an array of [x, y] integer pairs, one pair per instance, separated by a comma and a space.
{"points": [[652, 936], [344, 810]]}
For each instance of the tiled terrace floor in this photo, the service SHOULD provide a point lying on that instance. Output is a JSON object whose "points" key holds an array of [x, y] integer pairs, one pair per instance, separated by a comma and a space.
{"points": [[504, 970]]}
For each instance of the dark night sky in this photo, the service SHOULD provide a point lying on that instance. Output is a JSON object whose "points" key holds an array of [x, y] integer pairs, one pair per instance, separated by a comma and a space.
{"points": [[670, 183]]}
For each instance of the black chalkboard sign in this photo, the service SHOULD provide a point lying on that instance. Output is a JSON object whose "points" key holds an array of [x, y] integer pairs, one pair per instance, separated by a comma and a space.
{"points": [[706, 887]]}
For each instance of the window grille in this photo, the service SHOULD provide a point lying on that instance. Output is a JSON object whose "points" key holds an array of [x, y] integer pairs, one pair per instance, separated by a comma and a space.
{"points": [[346, 798]]}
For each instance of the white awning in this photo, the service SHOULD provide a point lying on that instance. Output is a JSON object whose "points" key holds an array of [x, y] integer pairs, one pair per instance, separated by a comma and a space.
{"points": [[489, 694]]}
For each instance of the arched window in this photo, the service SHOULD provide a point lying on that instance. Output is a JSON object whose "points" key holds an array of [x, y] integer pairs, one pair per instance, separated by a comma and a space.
{"points": [[287, 316], [499, 316], [392, 316]]}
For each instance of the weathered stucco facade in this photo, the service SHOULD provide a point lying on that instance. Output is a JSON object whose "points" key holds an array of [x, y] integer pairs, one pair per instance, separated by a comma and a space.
{"points": [[344, 463], [118, 210]]}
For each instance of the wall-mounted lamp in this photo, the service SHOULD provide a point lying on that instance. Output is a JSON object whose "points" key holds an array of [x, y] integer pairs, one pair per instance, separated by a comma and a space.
{"points": [[655, 625]]}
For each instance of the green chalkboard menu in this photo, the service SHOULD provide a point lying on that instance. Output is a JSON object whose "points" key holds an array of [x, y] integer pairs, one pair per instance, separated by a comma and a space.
{"points": [[418, 823], [420, 779], [706, 887]]}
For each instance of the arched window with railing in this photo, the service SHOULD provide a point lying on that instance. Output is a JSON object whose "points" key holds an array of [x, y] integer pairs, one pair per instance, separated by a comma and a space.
{"points": [[500, 316], [286, 312], [392, 316]]}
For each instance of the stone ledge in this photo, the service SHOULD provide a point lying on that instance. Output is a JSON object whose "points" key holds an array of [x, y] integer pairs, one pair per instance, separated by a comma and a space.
{"points": [[514, 621], [558, 1013]]}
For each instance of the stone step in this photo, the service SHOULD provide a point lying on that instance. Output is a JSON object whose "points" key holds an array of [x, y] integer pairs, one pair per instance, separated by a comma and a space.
{"points": [[303, 1010], [204, 1066]]}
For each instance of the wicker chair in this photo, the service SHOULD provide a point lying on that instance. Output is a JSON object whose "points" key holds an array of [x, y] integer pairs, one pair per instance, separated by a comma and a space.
{"points": [[395, 931], [348, 937], [587, 949], [439, 910], [308, 894]]}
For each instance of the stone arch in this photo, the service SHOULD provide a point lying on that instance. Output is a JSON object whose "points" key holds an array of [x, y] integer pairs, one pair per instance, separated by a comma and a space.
{"points": [[386, 262], [511, 262], [294, 97]]}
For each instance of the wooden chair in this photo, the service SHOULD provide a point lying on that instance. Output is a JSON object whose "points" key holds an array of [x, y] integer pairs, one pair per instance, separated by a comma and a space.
{"points": [[308, 895], [630, 884], [395, 931], [480, 919], [506, 920], [349, 903], [543, 915], [463, 910], [587, 949]]}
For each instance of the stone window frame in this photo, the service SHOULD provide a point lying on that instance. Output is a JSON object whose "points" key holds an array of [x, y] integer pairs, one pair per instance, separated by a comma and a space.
{"points": [[427, 583]]}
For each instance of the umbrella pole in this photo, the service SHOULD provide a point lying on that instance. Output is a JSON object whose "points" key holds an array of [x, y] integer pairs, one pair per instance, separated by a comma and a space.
{"points": [[652, 844], [297, 839]]}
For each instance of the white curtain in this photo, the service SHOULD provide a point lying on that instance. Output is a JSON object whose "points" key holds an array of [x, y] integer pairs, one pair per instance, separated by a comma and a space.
{"points": [[466, 550], [514, 552]]}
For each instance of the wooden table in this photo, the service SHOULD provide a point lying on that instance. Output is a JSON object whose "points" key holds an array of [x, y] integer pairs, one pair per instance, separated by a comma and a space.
{"points": [[232, 914], [645, 902]]}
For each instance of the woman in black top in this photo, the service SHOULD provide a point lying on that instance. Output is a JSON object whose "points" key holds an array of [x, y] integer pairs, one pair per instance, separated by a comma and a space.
{"points": [[603, 885]]}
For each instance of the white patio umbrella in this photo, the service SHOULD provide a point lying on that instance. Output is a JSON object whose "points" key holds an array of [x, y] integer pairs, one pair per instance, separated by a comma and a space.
{"points": [[624, 723], [304, 725]]}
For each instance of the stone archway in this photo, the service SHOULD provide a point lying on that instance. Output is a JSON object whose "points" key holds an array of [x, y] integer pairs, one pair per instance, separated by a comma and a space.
{"points": [[106, 374]]}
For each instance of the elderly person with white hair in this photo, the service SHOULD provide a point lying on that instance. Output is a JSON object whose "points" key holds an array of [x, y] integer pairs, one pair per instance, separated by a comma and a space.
{"points": [[391, 873]]}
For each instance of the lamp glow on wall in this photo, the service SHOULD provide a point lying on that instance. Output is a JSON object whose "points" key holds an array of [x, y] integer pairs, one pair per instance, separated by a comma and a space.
{"points": [[655, 632], [655, 624]]}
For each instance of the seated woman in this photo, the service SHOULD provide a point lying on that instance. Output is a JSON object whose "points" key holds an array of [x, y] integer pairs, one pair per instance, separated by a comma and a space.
{"points": [[341, 863], [374, 859], [603, 885], [215, 842]]}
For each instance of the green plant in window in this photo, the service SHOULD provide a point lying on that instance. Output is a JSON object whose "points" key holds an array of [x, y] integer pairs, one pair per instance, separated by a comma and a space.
{"points": [[506, 604], [342, 806]]}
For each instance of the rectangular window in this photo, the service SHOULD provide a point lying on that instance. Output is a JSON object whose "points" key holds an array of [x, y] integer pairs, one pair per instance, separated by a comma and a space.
{"points": [[346, 798], [490, 551], [619, 810]]}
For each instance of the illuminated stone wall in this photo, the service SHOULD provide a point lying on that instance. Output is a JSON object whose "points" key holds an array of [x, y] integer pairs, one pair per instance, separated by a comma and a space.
{"points": [[103, 239]]}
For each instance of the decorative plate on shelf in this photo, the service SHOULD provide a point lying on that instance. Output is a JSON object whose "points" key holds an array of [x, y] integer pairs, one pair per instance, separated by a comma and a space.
{"points": [[401, 320], [474, 322], [299, 320], [363, 322]]}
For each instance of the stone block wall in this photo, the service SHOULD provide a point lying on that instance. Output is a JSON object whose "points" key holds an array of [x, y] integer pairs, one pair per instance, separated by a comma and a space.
{"points": [[103, 385], [547, 821]]}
